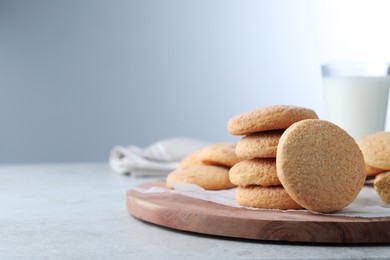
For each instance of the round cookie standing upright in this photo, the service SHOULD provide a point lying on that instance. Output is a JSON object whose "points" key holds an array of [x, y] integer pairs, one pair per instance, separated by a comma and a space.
{"points": [[268, 118], [320, 165]]}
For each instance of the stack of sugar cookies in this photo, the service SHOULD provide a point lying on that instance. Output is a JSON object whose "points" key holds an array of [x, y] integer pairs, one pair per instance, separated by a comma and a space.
{"points": [[376, 151], [207, 167], [287, 158], [294, 160], [256, 176]]}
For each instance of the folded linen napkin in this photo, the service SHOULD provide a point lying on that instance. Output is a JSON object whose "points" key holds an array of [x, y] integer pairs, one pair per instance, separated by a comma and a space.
{"points": [[158, 158]]}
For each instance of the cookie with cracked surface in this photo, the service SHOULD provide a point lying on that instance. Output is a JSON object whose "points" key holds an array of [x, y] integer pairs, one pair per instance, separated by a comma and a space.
{"points": [[268, 118], [259, 145], [256, 171], [265, 197], [382, 186], [320, 165], [206, 176], [376, 150]]}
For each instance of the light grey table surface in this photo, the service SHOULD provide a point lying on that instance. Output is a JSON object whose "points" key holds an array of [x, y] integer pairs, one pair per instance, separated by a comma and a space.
{"points": [[78, 211]]}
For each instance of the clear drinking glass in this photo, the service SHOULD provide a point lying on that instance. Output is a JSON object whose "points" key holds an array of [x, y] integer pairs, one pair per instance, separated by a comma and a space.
{"points": [[356, 96]]}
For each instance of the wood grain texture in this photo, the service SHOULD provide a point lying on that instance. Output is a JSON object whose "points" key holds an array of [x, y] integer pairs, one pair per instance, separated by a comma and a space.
{"points": [[190, 214]]}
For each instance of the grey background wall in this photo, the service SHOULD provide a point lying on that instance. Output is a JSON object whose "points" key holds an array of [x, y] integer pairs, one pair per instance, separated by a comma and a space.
{"points": [[78, 77]]}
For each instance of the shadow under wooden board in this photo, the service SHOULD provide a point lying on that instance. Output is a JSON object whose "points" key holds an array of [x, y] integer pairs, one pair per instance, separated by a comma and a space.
{"points": [[190, 214]]}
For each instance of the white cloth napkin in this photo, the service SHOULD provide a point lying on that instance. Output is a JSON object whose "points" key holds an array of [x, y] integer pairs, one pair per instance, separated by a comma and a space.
{"points": [[158, 158]]}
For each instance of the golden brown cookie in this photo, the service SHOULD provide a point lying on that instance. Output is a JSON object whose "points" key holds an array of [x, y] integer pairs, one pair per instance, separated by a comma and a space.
{"points": [[192, 160], [206, 176], [265, 197], [268, 118], [320, 165], [376, 150], [382, 186], [255, 172], [221, 154], [259, 145]]}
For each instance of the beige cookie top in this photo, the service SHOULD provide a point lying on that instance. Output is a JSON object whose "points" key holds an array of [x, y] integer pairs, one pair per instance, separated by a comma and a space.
{"points": [[268, 118], [255, 172], [220, 154], [320, 165], [259, 145], [376, 150], [205, 176]]}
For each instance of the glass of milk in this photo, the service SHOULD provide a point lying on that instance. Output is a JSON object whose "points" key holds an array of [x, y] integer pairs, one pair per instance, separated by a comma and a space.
{"points": [[356, 96]]}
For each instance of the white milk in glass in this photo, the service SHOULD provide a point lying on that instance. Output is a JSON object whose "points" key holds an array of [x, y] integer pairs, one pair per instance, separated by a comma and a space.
{"points": [[357, 104]]}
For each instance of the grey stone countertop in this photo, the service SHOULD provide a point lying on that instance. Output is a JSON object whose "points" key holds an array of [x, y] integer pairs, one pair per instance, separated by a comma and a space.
{"points": [[78, 211]]}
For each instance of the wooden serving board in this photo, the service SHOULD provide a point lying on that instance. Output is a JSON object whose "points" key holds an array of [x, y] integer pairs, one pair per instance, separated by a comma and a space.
{"points": [[190, 214]]}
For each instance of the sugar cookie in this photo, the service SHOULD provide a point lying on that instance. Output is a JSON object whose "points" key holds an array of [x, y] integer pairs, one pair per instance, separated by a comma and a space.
{"points": [[265, 197], [221, 154], [320, 165], [192, 160], [268, 118], [205, 176], [255, 172], [259, 145]]}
